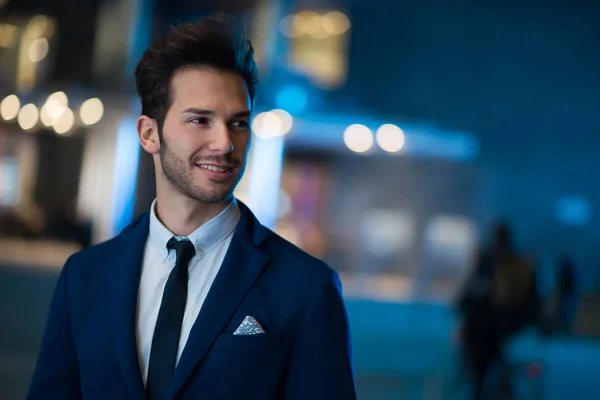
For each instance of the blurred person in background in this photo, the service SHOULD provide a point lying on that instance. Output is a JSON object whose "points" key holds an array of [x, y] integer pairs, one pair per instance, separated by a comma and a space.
{"points": [[499, 299], [566, 293], [196, 299]]}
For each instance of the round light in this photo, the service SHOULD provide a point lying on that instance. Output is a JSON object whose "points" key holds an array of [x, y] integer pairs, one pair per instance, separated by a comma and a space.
{"points": [[91, 111], [51, 112], [45, 117], [60, 97], [300, 22], [267, 125], [38, 26], [574, 210], [9, 107], [28, 116], [298, 25], [65, 123], [390, 138], [328, 25], [55, 109], [292, 98], [339, 23], [287, 122], [315, 28], [38, 50], [287, 28], [358, 138]]}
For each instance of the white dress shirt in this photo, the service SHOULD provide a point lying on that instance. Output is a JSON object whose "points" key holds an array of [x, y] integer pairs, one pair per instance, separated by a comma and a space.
{"points": [[211, 242]]}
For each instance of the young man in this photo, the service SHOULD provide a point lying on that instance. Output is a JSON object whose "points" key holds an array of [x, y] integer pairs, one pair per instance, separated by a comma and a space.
{"points": [[196, 299]]}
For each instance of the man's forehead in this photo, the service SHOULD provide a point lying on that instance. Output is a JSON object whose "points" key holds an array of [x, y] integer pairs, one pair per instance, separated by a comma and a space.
{"points": [[200, 88], [207, 78]]}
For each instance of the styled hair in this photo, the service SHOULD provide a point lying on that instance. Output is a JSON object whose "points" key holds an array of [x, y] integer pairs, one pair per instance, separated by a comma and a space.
{"points": [[214, 42]]}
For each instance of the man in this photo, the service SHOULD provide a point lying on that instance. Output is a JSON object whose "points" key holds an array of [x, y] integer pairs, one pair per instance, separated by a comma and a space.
{"points": [[196, 299], [499, 299]]}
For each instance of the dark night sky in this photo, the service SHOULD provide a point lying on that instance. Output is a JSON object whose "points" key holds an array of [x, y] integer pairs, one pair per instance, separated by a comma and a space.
{"points": [[498, 71]]}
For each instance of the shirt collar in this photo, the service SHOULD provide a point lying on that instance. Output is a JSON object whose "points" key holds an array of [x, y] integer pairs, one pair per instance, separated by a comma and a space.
{"points": [[205, 238]]}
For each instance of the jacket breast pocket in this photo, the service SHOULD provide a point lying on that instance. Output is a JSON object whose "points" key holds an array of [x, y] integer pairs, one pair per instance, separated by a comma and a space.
{"points": [[260, 343], [253, 367]]}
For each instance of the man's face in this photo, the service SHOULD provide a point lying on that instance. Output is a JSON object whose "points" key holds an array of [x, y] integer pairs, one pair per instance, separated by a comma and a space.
{"points": [[206, 134]]}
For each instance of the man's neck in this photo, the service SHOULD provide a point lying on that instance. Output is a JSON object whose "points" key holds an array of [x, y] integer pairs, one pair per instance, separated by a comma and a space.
{"points": [[182, 215]]}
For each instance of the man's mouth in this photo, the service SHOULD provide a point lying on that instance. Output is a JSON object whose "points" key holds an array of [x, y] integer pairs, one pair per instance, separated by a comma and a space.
{"points": [[215, 168]]}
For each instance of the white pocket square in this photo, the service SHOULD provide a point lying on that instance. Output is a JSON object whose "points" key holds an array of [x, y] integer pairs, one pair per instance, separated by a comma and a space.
{"points": [[249, 326]]}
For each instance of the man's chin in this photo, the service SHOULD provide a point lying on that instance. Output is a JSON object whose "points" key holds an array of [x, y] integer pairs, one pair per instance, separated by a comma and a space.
{"points": [[213, 196]]}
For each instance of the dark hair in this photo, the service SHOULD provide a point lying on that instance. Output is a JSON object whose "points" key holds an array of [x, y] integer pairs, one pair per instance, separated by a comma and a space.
{"points": [[214, 42]]}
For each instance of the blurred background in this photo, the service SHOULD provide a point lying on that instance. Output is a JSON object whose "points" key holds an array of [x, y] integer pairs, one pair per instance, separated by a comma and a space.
{"points": [[391, 137]]}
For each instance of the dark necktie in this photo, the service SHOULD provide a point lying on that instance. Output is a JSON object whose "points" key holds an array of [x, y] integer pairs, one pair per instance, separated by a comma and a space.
{"points": [[165, 342]]}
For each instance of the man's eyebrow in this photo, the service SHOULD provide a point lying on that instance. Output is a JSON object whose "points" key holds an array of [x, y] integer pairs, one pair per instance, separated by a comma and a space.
{"points": [[199, 111], [242, 114]]}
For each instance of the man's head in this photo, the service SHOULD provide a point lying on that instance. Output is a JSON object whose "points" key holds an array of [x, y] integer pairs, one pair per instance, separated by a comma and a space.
{"points": [[197, 87], [502, 238]]}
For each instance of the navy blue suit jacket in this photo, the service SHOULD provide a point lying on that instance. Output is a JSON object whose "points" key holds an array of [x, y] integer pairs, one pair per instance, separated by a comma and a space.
{"points": [[89, 348]]}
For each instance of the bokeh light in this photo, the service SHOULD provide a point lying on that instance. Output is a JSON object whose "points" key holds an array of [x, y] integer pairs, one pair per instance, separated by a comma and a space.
{"points": [[272, 123], [9, 107], [337, 22], [65, 123], [38, 50], [390, 138], [60, 97], [287, 122], [292, 98], [310, 23], [28, 116], [358, 138], [91, 111]]}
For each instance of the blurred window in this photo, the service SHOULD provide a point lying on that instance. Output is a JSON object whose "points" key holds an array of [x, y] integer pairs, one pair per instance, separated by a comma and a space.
{"points": [[319, 45], [450, 240]]}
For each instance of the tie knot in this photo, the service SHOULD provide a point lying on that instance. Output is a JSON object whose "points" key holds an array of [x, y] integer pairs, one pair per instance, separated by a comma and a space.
{"points": [[184, 249]]}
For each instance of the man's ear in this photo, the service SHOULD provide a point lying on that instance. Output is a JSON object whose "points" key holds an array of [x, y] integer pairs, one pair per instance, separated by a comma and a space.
{"points": [[147, 129]]}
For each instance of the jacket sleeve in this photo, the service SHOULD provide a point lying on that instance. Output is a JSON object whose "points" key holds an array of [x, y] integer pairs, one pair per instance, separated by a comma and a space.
{"points": [[57, 372], [320, 366]]}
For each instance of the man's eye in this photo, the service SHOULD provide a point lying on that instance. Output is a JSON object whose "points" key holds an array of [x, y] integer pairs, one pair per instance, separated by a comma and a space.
{"points": [[241, 124], [200, 121]]}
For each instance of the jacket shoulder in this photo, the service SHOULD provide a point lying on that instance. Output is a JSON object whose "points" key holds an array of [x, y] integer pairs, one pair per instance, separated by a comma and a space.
{"points": [[297, 261], [101, 250]]}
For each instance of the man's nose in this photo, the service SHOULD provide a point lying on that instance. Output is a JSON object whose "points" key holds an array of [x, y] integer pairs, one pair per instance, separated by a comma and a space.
{"points": [[220, 140]]}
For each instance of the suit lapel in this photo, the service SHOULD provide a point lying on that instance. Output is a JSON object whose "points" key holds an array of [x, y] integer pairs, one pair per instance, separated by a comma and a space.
{"points": [[240, 269], [128, 263]]}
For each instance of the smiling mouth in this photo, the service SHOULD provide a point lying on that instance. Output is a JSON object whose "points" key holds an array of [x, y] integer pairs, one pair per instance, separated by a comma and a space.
{"points": [[214, 168]]}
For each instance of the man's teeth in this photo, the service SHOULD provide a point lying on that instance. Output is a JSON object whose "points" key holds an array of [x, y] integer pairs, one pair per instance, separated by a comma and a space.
{"points": [[213, 168]]}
